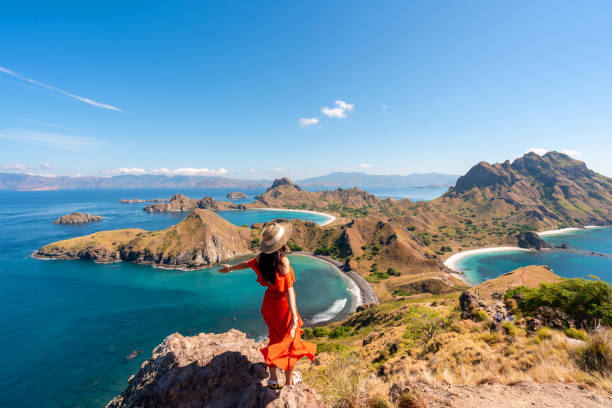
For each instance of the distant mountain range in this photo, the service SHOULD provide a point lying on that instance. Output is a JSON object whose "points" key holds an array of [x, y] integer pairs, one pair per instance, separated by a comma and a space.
{"points": [[24, 182], [365, 181]]}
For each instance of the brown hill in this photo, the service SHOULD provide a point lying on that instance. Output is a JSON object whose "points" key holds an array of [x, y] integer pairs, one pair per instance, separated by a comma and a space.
{"points": [[544, 191], [202, 239]]}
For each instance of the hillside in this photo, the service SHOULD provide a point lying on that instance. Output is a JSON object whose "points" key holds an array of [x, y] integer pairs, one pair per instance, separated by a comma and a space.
{"points": [[202, 239], [553, 190]]}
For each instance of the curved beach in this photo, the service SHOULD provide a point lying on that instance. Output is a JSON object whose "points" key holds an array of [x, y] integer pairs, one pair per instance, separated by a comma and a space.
{"points": [[330, 218], [565, 230], [453, 261]]}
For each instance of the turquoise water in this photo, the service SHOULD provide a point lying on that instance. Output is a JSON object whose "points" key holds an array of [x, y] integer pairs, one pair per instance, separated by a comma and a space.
{"points": [[569, 264], [68, 327], [239, 217]]}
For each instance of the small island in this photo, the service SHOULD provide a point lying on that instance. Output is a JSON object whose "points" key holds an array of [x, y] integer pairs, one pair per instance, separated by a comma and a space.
{"points": [[77, 218], [236, 195]]}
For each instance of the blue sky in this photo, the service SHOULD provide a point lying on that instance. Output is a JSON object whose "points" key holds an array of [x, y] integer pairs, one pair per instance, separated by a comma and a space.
{"points": [[393, 87]]}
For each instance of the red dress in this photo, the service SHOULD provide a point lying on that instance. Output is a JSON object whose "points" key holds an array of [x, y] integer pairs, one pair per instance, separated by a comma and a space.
{"points": [[283, 351]]}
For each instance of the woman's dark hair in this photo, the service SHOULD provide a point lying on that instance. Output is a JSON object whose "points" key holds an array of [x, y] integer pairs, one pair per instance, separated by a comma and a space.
{"points": [[268, 263]]}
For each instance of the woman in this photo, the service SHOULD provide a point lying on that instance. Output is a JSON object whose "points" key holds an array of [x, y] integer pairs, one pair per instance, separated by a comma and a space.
{"points": [[279, 309]]}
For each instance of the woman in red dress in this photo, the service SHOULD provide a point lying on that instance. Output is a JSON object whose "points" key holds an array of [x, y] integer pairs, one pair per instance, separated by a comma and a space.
{"points": [[279, 309]]}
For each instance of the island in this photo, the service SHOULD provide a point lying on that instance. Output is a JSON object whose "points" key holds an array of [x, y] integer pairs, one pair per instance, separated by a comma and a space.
{"points": [[236, 195], [77, 218]]}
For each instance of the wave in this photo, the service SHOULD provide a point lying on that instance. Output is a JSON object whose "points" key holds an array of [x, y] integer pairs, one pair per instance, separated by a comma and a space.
{"points": [[330, 313]]}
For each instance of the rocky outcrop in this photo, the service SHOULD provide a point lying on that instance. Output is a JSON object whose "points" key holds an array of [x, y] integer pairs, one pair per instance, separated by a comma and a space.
{"points": [[181, 203], [200, 240], [209, 370], [236, 195], [283, 182], [531, 240], [78, 218]]}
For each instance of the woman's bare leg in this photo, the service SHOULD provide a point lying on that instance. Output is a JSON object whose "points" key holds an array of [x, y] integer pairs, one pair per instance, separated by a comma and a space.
{"points": [[289, 377], [273, 373]]}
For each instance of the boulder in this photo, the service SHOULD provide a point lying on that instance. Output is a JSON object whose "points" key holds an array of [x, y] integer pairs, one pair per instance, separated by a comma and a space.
{"points": [[531, 240], [223, 370]]}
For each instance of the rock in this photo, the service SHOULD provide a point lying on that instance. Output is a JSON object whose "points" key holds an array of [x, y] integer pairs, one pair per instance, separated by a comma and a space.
{"points": [[236, 195], [283, 181], [531, 240], [467, 304], [533, 324], [78, 218], [209, 370], [365, 306], [554, 318]]}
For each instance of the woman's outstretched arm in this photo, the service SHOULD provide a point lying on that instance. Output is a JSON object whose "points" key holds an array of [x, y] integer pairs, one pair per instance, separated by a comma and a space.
{"points": [[225, 268]]}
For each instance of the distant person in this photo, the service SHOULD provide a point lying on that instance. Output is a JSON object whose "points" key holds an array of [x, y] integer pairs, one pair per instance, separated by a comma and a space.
{"points": [[279, 309], [511, 318], [499, 317]]}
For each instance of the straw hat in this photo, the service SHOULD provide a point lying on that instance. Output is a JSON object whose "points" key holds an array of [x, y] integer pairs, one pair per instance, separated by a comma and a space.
{"points": [[274, 236]]}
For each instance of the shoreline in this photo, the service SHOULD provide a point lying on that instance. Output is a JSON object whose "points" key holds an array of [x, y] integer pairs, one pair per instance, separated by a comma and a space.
{"points": [[362, 291], [452, 261], [571, 229], [330, 218]]}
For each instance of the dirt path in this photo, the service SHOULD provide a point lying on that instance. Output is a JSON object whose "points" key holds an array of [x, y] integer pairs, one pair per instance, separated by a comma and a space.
{"points": [[520, 395]]}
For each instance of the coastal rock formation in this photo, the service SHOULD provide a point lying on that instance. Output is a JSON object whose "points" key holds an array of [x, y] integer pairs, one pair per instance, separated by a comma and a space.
{"points": [[181, 203], [531, 240], [78, 218], [202, 239], [224, 370], [236, 195]]}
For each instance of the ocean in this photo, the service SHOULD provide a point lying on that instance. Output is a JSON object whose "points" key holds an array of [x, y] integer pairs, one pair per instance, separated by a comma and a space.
{"points": [[70, 329], [577, 262]]}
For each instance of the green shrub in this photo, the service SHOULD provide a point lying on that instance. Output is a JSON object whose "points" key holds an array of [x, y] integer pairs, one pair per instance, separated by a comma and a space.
{"points": [[307, 333], [577, 334], [393, 272], [320, 332], [490, 338], [510, 329], [481, 315], [379, 401], [411, 228], [330, 347], [544, 333], [596, 355], [586, 301], [293, 246], [339, 331], [446, 249]]}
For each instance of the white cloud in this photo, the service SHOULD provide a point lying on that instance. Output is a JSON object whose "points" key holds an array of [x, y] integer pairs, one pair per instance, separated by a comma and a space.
{"points": [[384, 107], [308, 121], [15, 166], [339, 111], [541, 151], [365, 165], [252, 171], [61, 91], [183, 171], [573, 153], [46, 166], [278, 169], [56, 140]]}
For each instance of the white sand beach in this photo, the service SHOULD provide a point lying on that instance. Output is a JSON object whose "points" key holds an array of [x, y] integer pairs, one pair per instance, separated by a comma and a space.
{"points": [[330, 218], [453, 261], [558, 231]]}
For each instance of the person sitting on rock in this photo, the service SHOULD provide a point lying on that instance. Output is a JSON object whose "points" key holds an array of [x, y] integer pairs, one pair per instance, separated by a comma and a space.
{"points": [[499, 317], [279, 308]]}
